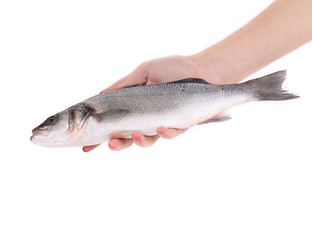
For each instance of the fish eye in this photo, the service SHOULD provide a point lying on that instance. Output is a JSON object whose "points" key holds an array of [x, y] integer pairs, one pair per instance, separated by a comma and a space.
{"points": [[51, 120]]}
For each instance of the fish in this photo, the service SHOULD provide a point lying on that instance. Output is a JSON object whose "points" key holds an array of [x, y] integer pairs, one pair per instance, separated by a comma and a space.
{"points": [[178, 104]]}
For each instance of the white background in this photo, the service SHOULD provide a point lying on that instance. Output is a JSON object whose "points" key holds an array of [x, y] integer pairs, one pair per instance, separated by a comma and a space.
{"points": [[248, 178]]}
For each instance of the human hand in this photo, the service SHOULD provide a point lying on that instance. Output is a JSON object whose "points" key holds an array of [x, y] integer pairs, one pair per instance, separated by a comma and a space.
{"points": [[157, 71]]}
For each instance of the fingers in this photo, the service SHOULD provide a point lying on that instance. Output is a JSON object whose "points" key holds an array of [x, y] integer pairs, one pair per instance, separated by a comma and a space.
{"points": [[122, 143], [144, 141], [139, 139], [89, 148], [138, 76], [119, 144], [169, 133]]}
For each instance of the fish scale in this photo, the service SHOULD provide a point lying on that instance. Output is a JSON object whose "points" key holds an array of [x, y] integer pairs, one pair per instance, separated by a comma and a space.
{"points": [[179, 104]]}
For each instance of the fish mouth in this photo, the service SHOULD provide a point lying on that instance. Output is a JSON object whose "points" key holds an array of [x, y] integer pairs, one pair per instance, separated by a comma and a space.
{"points": [[34, 136], [35, 139], [39, 133], [43, 138], [41, 141], [42, 131]]}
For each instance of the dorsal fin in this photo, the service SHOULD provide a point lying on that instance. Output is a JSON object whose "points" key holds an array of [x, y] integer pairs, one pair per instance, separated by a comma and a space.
{"points": [[191, 80], [186, 80]]}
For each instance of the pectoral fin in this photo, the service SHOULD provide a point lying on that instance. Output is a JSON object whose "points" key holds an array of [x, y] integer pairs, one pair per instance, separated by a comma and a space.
{"points": [[111, 115], [217, 119]]}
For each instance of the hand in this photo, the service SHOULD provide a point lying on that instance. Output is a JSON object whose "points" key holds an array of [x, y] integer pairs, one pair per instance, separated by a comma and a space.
{"points": [[155, 71], [272, 34]]}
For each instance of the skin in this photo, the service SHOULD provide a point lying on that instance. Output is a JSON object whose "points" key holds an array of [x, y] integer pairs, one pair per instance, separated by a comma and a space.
{"points": [[281, 28]]}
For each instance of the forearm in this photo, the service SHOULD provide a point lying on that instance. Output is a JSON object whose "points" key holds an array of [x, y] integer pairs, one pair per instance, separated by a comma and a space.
{"points": [[284, 26]]}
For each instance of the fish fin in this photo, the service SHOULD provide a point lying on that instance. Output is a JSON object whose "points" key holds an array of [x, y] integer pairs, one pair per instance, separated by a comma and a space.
{"points": [[191, 80], [217, 119], [186, 80], [113, 114], [270, 87]]}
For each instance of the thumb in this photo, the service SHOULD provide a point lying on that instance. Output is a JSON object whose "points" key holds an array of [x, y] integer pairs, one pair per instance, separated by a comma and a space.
{"points": [[138, 76]]}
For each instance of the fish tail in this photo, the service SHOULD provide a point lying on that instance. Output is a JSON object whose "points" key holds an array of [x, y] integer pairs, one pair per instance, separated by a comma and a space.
{"points": [[270, 87]]}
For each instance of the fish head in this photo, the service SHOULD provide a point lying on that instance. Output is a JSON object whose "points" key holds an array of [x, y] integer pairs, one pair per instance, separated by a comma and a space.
{"points": [[62, 129]]}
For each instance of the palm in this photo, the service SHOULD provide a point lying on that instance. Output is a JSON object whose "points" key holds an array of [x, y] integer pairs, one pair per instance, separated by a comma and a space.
{"points": [[155, 71], [171, 68]]}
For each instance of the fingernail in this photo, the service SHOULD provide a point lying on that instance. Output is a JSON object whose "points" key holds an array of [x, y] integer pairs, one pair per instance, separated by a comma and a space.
{"points": [[112, 148], [161, 133], [85, 149], [136, 139]]}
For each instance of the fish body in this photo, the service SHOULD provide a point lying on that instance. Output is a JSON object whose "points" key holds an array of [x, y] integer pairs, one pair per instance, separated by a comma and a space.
{"points": [[180, 104]]}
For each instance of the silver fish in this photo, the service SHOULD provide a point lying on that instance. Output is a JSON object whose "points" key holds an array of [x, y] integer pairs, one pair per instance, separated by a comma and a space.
{"points": [[179, 104]]}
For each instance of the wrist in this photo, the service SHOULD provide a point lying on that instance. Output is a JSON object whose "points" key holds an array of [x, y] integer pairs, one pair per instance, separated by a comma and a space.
{"points": [[214, 65], [229, 61]]}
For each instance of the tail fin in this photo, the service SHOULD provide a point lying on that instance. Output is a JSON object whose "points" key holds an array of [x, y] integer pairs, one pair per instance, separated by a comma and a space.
{"points": [[270, 87]]}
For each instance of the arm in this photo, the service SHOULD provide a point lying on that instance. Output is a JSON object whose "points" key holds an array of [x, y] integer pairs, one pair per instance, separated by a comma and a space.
{"points": [[282, 27]]}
